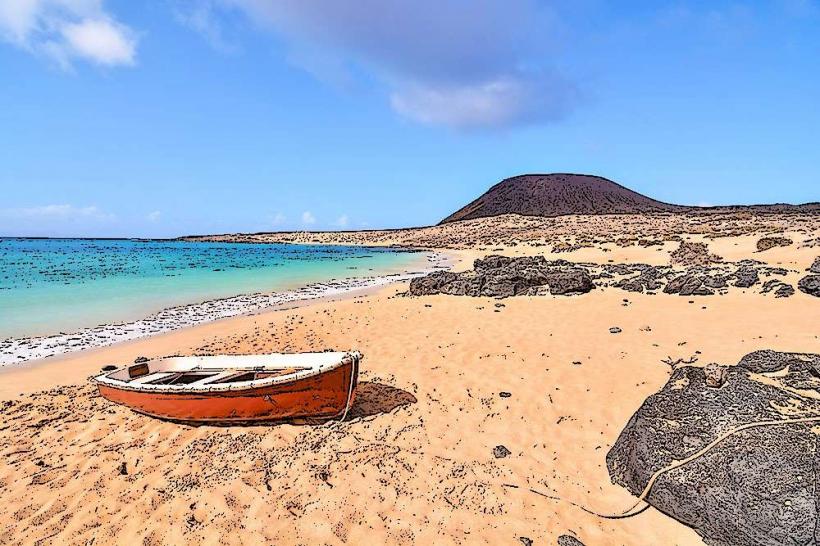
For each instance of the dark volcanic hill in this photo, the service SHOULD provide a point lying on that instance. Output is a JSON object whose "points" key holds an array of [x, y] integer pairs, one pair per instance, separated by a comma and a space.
{"points": [[564, 194], [558, 195]]}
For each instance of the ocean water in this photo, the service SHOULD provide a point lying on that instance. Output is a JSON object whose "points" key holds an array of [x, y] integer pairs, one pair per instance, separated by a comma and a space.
{"points": [[48, 286]]}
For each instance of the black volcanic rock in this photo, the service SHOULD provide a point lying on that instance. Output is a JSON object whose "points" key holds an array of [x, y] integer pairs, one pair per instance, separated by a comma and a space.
{"points": [[757, 486], [746, 276], [558, 195], [781, 289], [810, 284], [770, 242], [503, 277]]}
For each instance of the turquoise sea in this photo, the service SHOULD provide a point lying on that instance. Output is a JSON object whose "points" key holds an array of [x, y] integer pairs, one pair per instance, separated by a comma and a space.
{"points": [[48, 286]]}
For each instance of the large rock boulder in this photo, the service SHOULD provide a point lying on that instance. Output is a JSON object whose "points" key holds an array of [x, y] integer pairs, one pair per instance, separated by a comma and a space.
{"points": [[755, 487], [502, 277], [810, 284]]}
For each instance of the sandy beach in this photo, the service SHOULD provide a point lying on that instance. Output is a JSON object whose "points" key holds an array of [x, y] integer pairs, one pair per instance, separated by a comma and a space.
{"points": [[477, 419], [320, 273]]}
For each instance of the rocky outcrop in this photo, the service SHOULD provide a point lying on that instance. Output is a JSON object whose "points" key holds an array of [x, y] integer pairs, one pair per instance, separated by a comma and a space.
{"points": [[815, 267], [648, 279], [758, 486], [810, 284], [746, 276], [696, 282], [766, 243], [692, 254], [779, 288], [502, 277]]}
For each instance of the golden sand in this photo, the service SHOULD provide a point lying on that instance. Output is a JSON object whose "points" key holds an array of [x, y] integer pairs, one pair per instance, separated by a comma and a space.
{"points": [[415, 462]]}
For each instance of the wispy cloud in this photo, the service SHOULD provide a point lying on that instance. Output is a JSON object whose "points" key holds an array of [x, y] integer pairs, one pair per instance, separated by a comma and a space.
{"points": [[308, 218], [203, 16], [278, 219], [505, 101], [60, 212], [458, 63], [64, 30], [154, 216], [342, 221]]}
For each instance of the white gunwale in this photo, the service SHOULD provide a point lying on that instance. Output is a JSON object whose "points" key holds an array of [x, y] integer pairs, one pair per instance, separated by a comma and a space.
{"points": [[306, 365]]}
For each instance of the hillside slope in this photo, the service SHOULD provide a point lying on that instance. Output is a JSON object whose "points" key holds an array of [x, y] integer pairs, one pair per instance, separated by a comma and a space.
{"points": [[553, 195], [559, 195]]}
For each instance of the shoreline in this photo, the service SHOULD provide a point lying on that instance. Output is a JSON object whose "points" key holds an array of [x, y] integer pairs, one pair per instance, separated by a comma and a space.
{"points": [[17, 351]]}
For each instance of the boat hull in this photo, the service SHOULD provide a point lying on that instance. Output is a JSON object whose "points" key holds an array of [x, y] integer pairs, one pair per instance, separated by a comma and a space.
{"points": [[319, 397]]}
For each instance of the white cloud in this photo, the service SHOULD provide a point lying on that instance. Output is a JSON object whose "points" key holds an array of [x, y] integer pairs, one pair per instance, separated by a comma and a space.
{"points": [[64, 30], [342, 221], [308, 218], [103, 41], [458, 63], [510, 100], [154, 216]]}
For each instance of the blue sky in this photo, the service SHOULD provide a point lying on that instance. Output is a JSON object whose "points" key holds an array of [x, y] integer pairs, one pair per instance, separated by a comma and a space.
{"points": [[168, 117]]}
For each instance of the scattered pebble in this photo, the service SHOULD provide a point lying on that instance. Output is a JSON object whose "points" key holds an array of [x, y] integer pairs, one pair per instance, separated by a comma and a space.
{"points": [[569, 540]]}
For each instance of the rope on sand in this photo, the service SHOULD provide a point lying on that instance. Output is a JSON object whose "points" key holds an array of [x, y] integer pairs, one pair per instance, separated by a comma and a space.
{"points": [[641, 504], [353, 369]]}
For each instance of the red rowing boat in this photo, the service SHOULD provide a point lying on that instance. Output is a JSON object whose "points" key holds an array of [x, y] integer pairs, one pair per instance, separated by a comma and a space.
{"points": [[312, 386]]}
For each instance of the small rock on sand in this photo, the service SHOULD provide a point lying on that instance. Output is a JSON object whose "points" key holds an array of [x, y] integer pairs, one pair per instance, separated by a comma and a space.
{"points": [[615, 330], [501, 452]]}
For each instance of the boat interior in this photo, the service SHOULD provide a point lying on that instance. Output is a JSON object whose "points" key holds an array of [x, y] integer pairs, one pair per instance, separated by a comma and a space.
{"points": [[212, 376], [222, 370]]}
